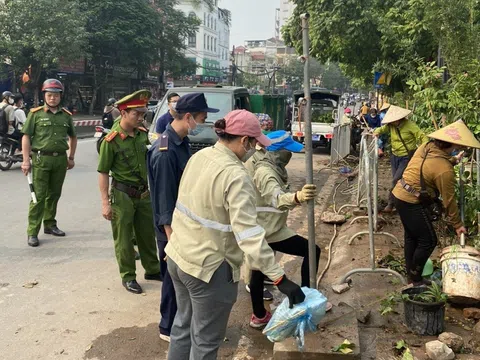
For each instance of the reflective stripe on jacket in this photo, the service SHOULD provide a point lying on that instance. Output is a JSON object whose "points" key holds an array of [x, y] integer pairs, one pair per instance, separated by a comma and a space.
{"points": [[215, 218]]}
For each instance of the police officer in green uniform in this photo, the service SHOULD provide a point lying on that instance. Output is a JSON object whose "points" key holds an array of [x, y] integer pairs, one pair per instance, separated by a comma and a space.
{"points": [[128, 205], [45, 133]]}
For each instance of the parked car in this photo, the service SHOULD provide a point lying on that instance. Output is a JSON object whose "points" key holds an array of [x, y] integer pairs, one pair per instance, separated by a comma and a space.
{"points": [[225, 98], [152, 104]]}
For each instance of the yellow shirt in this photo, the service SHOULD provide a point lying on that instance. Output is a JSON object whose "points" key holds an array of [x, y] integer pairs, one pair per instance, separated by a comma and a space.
{"points": [[439, 175], [410, 133], [215, 219]]}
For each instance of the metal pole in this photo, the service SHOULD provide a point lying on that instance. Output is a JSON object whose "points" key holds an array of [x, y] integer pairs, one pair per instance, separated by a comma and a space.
{"points": [[375, 184], [308, 151], [462, 201]]}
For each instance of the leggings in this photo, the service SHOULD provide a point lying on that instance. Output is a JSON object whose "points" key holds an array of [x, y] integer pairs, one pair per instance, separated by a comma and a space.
{"points": [[420, 237], [296, 245]]}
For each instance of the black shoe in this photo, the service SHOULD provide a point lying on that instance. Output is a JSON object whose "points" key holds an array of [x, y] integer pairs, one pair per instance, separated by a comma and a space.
{"points": [[54, 230], [33, 241], [157, 277], [132, 286]]}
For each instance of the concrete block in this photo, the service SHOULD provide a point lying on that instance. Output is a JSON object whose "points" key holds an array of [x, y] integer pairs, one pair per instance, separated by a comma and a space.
{"points": [[335, 327]]}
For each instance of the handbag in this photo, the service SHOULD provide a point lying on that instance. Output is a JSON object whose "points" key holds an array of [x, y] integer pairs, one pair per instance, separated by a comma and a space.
{"points": [[409, 152], [432, 205]]}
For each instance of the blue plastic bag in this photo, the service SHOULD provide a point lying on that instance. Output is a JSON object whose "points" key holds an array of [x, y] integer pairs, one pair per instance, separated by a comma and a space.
{"points": [[294, 322]]}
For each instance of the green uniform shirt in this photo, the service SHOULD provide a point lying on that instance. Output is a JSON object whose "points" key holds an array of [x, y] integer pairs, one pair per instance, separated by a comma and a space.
{"points": [[48, 131], [125, 156], [411, 135]]}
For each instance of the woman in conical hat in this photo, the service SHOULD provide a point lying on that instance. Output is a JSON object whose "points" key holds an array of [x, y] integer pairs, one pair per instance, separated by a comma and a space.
{"points": [[434, 162], [405, 136]]}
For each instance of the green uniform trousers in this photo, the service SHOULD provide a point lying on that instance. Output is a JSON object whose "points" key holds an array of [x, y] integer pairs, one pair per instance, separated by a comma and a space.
{"points": [[48, 174], [133, 217]]}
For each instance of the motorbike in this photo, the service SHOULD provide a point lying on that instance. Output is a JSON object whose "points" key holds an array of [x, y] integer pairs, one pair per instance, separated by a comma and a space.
{"points": [[8, 147], [100, 133]]}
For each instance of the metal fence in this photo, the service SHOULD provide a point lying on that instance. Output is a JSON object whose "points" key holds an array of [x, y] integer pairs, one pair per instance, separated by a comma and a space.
{"points": [[340, 143], [368, 193]]}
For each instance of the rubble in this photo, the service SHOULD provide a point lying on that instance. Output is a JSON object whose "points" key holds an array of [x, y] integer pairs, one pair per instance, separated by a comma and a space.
{"points": [[453, 341], [476, 329], [436, 350], [363, 316], [471, 313], [333, 218], [340, 288]]}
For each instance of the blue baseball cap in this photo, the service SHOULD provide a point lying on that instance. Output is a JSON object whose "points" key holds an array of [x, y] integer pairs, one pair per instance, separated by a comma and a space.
{"points": [[282, 140], [193, 102]]}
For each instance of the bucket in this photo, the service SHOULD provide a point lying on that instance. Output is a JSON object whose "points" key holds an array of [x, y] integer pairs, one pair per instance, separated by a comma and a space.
{"points": [[423, 318], [461, 274]]}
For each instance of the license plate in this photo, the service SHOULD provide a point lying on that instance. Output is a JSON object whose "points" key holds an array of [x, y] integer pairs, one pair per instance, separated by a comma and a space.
{"points": [[98, 134], [315, 137]]}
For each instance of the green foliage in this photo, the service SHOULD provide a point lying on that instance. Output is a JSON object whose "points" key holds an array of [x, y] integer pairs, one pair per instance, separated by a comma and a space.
{"points": [[433, 294], [38, 33], [346, 347], [389, 303]]}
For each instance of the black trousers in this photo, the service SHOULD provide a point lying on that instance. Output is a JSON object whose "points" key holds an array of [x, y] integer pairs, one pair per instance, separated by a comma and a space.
{"points": [[296, 245], [420, 237]]}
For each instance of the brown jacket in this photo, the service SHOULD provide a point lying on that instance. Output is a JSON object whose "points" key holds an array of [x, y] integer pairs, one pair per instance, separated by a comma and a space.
{"points": [[439, 175]]}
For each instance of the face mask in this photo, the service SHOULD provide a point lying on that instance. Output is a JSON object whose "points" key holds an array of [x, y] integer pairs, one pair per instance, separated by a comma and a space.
{"points": [[197, 130], [10, 101], [248, 153], [373, 116]]}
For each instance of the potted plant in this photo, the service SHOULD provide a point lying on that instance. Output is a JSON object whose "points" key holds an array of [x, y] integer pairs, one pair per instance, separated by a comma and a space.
{"points": [[425, 309]]}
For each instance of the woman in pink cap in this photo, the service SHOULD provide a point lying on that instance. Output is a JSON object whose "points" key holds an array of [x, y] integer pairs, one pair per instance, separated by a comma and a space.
{"points": [[214, 228]]}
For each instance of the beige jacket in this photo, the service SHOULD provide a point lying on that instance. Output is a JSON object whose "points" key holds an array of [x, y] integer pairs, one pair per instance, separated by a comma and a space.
{"points": [[215, 219], [273, 199]]}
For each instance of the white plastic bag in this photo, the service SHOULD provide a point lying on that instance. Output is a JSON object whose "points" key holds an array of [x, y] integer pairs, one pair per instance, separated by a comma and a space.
{"points": [[302, 318]]}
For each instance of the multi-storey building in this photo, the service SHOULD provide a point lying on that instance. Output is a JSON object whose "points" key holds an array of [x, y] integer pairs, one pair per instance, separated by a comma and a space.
{"points": [[209, 48]]}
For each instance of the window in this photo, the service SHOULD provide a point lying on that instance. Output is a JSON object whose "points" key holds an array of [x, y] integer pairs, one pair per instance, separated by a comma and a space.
{"points": [[208, 42], [192, 41], [215, 24], [208, 20], [204, 41], [215, 45], [204, 19]]}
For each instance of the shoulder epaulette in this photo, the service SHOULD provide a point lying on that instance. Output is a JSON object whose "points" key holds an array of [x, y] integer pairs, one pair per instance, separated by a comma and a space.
{"points": [[36, 109], [111, 136], [68, 112], [163, 142], [141, 128]]}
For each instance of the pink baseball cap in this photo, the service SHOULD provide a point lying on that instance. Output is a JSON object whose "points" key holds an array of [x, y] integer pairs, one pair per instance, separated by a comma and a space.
{"points": [[244, 123]]}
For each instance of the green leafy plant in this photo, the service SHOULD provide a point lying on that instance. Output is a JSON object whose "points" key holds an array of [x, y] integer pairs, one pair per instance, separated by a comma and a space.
{"points": [[389, 303], [345, 348], [433, 294]]}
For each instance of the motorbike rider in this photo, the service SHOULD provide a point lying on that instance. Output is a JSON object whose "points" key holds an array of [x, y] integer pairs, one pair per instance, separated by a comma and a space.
{"points": [[19, 119], [110, 113], [7, 106]]}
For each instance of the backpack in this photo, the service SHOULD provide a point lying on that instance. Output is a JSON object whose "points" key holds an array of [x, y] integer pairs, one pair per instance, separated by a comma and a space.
{"points": [[3, 120], [107, 120]]}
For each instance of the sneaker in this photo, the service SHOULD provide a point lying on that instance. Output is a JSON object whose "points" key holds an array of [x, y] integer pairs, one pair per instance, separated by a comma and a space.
{"points": [[257, 323], [267, 295], [165, 337]]}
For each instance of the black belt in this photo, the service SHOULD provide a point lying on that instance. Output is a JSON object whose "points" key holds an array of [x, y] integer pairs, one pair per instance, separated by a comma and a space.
{"points": [[409, 188], [137, 192], [49, 153]]}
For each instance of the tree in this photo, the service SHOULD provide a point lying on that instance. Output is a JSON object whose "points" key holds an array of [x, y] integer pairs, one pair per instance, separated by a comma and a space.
{"points": [[36, 34]]}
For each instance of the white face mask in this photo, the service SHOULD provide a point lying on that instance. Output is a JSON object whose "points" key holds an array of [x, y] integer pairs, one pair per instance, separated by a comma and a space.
{"points": [[10, 101], [248, 153]]}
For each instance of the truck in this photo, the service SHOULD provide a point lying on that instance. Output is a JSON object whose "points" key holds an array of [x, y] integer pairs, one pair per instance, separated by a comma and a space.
{"points": [[325, 115], [224, 98]]}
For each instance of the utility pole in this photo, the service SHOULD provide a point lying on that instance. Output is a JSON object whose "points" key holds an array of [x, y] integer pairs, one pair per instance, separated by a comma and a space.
{"points": [[312, 261]]}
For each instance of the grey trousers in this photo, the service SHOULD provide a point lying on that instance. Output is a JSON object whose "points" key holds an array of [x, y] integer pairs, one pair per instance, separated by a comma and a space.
{"points": [[202, 316]]}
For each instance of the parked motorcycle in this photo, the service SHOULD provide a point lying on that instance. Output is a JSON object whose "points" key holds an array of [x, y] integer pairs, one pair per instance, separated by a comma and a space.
{"points": [[8, 147], [100, 133]]}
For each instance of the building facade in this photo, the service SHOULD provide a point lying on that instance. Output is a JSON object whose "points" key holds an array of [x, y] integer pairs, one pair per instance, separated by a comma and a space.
{"points": [[286, 11], [209, 48]]}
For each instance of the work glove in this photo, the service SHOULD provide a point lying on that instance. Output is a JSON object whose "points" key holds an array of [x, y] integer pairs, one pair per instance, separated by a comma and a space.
{"points": [[293, 291], [308, 192]]}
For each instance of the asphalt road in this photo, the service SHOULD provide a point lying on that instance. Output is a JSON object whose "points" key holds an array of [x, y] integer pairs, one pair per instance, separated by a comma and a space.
{"points": [[79, 308]]}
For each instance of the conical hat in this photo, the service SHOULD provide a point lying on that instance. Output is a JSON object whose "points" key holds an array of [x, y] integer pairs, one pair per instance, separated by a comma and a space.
{"points": [[395, 113], [385, 106], [456, 133]]}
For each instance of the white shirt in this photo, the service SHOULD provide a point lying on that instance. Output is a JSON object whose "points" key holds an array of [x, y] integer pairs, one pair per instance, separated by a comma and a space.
{"points": [[20, 117]]}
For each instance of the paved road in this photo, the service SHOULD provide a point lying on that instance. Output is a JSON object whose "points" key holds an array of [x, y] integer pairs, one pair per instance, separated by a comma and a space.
{"points": [[79, 308]]}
